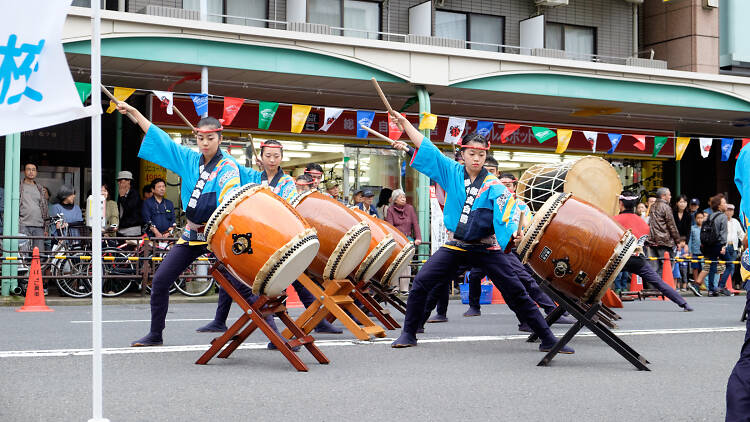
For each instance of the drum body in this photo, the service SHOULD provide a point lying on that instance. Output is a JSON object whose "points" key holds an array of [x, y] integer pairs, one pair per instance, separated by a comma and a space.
{"points": [[576, 247], [591, 179], [261, 239], [344, 237], [380, 250], [399, 259]]}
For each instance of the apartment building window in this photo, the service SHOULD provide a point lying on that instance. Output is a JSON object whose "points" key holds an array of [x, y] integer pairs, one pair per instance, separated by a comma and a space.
{"points": [[239, 10], [360, 18], [577, 40], [471, 27]]}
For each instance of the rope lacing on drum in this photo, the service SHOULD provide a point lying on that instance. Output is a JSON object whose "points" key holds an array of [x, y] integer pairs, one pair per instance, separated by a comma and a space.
{"points": [[374, 258], [396, 263]]}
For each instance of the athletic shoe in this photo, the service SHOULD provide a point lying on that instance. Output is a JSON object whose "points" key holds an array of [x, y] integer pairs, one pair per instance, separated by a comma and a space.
{"points": [[272, 346], [328, 328], [212, 327], [438, 318], [565, 350], [687, 308], [404, 340], [693, 289], [148, 341], [726, 292], [471, 312]]}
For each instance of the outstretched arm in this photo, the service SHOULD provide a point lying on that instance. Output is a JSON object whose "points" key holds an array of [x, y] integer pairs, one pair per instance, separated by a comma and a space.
{"points": [[141, 120], [413, 133]]}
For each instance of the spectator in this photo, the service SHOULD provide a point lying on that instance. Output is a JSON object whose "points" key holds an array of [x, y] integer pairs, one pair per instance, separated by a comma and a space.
{"points": [[148, 191], [129, 206], [695, 204], [404, 218], [682, 218], [110, 217], [735, 234], [303, 183], [384, 202], [367, 205], [663, 234], [70, 211], [158, 211], [650, 200], [491, 165], [713, 241], [357, 198], [683, 252], [694, 245], [642, 211], [33, 212], [332, 188], [47, 195]]}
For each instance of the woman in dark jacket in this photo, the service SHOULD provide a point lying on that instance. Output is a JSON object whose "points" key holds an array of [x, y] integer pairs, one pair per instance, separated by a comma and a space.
{"points": [[404, 218], [716, 250], [682, 218]]}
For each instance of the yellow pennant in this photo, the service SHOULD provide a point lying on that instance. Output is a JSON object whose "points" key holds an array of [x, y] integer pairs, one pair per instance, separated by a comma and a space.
{"points": [[682, 144], [121, 94], [299, 117], [563, 138], [429, 121]]}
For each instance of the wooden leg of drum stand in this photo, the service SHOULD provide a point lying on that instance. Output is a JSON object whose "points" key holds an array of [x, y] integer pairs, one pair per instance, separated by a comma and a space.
{"points": [[586, 317], [360, 293], [335, 301], [388, 296]]}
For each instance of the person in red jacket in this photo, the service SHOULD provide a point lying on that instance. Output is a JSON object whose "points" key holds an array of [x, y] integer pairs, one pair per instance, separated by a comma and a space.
{"points": [[637, 263]]}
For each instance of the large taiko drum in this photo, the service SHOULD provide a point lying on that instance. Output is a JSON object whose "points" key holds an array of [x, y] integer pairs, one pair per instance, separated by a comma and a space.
{"points": [[576, 247], [381, 247], [261, 240], [344, 237], [590, 178], [399, 259]]}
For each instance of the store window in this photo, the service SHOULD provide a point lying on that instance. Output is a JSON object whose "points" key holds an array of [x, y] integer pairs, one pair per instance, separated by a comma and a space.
{"points": [[578, 41], [237, 12], [360, 18], [484, 32]]}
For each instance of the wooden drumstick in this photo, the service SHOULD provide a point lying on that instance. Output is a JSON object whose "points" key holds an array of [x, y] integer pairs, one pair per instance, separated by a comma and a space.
{"points": [[182, 116], [385, 100], [251, 147], [378, 134], [116, 101]]}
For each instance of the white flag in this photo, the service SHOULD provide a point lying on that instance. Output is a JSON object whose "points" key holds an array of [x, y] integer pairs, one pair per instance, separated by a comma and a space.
{"points": [[591, 137], [166, 99], [706, 146], [36, 88], [454, 130], [331, 115]]}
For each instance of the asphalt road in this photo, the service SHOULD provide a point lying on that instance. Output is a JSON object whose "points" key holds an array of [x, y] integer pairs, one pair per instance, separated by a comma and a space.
{"points": [[469, 369]]}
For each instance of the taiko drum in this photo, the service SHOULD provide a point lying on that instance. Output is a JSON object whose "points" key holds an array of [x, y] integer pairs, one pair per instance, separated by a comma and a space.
{"points": [[381, 247], [399, 259]]}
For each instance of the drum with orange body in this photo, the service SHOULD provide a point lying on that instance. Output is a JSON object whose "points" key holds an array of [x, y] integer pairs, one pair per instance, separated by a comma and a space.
{"points": [[261, 239], [576, 247], [381, 247], [344, 237], [399, 259]]}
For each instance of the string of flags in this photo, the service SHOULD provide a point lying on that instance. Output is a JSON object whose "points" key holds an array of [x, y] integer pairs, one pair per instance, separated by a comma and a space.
{"points": [[453, 133]]}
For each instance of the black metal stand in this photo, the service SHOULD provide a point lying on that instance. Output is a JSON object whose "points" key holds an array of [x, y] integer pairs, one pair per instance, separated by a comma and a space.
{"points": [[585, 318]]}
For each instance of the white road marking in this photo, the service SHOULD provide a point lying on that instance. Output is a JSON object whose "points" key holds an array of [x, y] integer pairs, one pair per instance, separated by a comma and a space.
{"points": [[341, 343], [118, 321]]}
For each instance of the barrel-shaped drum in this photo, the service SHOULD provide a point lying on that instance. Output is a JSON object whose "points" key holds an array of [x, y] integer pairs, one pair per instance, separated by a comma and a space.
{"points": [[344, 237], [400, 258], [381, 247], [576, 247], [261, 240], [591, 179]]}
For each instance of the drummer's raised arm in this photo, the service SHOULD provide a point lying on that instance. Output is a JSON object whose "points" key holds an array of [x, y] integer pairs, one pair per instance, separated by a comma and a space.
{"points": [[413, 133], [143, 122]]}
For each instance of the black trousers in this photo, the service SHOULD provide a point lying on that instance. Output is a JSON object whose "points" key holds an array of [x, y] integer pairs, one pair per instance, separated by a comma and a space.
{"points": [[738, 387], [637, 264]]}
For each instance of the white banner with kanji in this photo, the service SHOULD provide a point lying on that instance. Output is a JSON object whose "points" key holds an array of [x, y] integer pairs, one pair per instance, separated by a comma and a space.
{"points": [[36, 88], [438, 232]]}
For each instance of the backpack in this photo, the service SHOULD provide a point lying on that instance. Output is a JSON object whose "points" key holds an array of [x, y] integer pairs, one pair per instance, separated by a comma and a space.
{"points": [[709, 231]]}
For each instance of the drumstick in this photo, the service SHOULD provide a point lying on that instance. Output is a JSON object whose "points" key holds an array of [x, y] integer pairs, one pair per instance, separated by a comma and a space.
{"points": [[251, 146], [182, 116], [385, 101], [116, 101], [378, 134]]}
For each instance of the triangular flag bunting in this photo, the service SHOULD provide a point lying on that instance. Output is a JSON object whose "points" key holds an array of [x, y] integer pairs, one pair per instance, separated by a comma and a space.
{"points": [[680, 147], [484, 128], [745, 141], [705, 146], [640, 141], [429, 121], [200, 102], [330, 116], [299, 117], [232, 106], [394, 132], [542, 133], [508, 130], [563, 138], [454, 130], [591, 136], [614, 139], [726, 148], [166, 99], [84, 90], [266, 111], [364, 118], [121, 94], [659, 142]]}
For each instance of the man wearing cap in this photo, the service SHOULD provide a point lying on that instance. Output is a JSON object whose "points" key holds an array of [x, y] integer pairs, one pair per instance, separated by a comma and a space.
{"points": [[129, 206], [693, 206], [367, 205], [332, 189]]}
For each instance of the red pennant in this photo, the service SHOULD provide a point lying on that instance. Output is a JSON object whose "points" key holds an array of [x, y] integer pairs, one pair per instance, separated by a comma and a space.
{"points": [[640, 141], [508, 130], [232, 106], [393, 131], [745, 141]]}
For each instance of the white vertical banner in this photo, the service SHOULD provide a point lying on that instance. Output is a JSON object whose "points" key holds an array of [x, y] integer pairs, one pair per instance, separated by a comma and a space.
{"points": [[438, 232], [454, 130], [36, 88]]}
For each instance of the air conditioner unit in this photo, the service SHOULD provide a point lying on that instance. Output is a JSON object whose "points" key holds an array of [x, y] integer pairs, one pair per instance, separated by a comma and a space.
{"points": [[551, 3]]}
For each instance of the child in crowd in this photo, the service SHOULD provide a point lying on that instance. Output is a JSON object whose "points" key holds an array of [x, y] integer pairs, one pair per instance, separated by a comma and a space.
{"points": [[694, 246], [682, 266]]}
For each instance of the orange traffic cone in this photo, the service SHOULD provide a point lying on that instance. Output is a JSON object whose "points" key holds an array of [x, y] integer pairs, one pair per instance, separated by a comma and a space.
{"points": [[636, 283], [666, 273], [610, 299], [292, 300], [497, 298], [34, 289]]}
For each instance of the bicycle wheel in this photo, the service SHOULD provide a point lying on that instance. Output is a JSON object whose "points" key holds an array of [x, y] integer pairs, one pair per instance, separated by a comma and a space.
{"points": [[78, 286], [115, 262], [195, 281]]}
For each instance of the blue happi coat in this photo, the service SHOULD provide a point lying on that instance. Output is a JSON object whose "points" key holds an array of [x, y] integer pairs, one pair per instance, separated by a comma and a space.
{"points": [[159, 148], [494, 210], [285, 188]]}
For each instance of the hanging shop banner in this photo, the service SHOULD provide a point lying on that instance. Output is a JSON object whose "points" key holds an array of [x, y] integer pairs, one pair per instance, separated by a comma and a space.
{"points": [[299, 117], [508, 130], [484, 128], [563, 139], [706, 146], [232, 106], [266, 112], [364, 118], [331, 114], [166, 100], [200, 103], [455, 130], [680, 146], [614, 140]]}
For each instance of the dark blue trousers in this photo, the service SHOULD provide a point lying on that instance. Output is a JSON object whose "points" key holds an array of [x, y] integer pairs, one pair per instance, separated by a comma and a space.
{"points": [[442, 265], [637, 264], [440, 295], [738, 387]]}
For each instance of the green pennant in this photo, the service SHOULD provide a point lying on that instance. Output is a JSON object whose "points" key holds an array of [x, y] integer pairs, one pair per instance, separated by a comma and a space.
{"points": [[266, 111], [543, 133], [659, 142], [84, 90]]}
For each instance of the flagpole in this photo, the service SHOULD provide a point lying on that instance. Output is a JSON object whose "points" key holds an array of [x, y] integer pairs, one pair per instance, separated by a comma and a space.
{"points": [[96, 233]]}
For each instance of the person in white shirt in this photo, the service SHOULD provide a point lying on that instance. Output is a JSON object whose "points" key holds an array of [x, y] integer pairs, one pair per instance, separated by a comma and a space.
{"points": [[735, 234]]}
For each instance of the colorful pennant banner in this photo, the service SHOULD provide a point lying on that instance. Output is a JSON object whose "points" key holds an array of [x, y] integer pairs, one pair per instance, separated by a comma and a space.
{"points": [[200, 101], [299, 117], [542, 133], [84, 90], [266, 111], [121, 94], [508, 130], [231, 107], [394, 132], [659, 142], [364, 118], [167, 100], [484, 128], [726, 148], [591, 136], [331, 114], [705, 144], [455, 129], [680, 147], [614, 139], [428, 121]]}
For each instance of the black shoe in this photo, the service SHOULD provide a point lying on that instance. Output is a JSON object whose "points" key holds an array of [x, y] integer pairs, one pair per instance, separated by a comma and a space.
{"points": [[472, 312], [566, 320], [212, 327], [328, 328], [686, 308], [148, 341], [696, 291], [525, 328], [272, 346], [546, 346], [404, 340], [438, 318]]}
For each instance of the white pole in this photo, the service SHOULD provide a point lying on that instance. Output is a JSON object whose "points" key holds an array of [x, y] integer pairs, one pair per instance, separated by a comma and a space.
{"points": [[204, 84], [96, 234]]}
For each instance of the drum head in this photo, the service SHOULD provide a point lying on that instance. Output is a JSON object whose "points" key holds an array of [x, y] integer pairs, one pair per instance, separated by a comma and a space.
{"points": [[286, 264], [398, 265], [349, 252], [541, 220], [595, 181], [376, 259]]}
